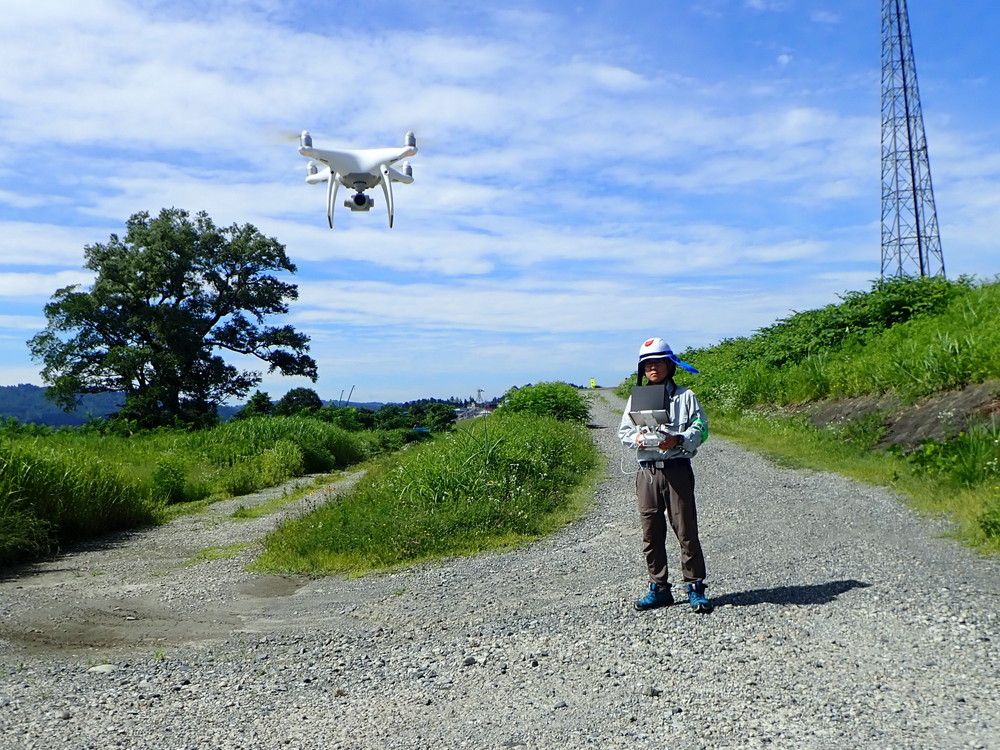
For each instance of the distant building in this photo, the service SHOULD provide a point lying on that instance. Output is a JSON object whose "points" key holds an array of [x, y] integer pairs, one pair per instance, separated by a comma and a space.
{"points": [[472, 411]]}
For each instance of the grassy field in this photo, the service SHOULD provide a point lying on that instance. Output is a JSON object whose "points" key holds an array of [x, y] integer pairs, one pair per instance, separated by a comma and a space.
{"points": [[911, 338], [494, 482], [63, 486]]}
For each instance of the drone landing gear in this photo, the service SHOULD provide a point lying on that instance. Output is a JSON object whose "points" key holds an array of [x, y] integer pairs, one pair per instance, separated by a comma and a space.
{"points": [[360, 201], [387, 189], [331, 196]]}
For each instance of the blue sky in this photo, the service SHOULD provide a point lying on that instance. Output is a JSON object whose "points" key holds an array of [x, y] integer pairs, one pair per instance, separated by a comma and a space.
{"points": [[590, 174]]}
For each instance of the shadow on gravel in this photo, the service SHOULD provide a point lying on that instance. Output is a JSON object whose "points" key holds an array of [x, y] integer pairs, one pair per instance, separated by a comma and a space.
{"points": [[820, 593]]}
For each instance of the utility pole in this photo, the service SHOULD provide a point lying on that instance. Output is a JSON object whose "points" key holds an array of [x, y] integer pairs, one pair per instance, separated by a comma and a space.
{"points": [[911, 243]]}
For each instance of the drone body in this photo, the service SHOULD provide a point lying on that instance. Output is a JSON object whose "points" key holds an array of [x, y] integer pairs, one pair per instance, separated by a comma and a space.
{"points": [[358, 169]]}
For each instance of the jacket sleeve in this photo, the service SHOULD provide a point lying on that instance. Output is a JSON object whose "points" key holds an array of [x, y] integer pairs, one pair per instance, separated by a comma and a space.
{"points": [[626, 430], [696, 431]]}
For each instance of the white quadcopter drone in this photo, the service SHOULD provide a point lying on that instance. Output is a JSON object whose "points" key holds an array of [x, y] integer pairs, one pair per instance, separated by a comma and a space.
{"points": [[360, 169]]}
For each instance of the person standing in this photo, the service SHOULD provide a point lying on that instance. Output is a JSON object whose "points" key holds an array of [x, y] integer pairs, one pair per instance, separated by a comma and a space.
{"points": [[665, 481]]}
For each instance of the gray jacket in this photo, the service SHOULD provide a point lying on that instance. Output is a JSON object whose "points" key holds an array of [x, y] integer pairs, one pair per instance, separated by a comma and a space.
{"points": [[685, 417]]}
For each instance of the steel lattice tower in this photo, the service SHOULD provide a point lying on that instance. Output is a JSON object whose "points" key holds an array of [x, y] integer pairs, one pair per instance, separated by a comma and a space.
{"points": [[911, 244]]}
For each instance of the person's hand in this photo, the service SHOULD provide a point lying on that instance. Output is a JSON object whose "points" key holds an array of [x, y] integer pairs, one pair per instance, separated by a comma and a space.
{"points": [[668, 443]]}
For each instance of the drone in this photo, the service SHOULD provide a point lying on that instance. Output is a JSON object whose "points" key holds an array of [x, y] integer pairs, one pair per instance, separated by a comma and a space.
{"points": [[359, 169]]}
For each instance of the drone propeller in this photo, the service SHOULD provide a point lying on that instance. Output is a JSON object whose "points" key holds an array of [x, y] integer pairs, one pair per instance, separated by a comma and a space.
{"points": [[286, 136]]}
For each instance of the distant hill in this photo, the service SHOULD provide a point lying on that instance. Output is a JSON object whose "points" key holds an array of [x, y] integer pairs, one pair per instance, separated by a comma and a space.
{"points": [[369, 405], [27, 403]]}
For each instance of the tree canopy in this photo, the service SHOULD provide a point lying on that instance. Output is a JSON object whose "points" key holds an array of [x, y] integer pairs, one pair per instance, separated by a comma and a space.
{"points": [[298, 400], [166, 300]]}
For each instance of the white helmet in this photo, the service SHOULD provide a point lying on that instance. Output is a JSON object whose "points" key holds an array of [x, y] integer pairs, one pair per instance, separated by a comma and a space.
{"points": [[656, 348]]}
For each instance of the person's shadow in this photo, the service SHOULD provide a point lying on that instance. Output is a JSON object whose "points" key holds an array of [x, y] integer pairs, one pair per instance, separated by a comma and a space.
{"points": [[820, 593]]}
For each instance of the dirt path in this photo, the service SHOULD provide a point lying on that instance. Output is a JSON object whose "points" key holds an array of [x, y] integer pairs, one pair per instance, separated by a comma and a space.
{"points": [[182, 582]]}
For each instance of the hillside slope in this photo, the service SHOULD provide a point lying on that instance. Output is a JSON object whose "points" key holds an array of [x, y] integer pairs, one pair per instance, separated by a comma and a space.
{"points": [[936, 417]]}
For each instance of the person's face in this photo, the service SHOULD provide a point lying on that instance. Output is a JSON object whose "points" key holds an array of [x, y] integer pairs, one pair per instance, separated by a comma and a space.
{"points": [[656, 370]]}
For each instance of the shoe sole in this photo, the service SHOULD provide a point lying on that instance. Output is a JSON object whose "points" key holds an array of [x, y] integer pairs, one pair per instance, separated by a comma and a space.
{"points": [[651, 606]]}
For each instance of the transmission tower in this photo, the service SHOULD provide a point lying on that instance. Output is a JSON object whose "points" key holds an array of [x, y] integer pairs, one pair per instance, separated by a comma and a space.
{"points": [[911, 244]]}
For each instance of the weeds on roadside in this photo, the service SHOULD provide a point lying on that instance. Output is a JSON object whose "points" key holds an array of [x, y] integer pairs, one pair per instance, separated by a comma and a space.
{"points": [[495, 481], [63, 486], [909, 336], [49, 499]]}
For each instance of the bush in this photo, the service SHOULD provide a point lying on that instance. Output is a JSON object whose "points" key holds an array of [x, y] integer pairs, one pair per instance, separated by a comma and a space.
{"points": [[169, 482], [558, 400]]}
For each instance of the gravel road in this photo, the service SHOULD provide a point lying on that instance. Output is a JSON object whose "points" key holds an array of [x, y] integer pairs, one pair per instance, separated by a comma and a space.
{"points": [[842, 621]]}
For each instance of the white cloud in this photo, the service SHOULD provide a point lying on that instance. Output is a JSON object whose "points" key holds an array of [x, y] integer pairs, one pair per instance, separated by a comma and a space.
{"points": [[28, 244], [766, 5], [39, 284], [22, 322]]}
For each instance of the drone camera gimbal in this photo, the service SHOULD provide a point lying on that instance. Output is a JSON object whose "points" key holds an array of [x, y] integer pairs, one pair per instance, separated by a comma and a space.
{"points": [[359, 202]]}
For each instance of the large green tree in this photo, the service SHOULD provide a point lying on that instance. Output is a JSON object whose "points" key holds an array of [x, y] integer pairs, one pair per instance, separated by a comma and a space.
{"points": [[167, 300], [296, 401]]}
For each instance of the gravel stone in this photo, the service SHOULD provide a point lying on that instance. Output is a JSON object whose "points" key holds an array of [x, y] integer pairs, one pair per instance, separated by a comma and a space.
{"points": [[842, 620]]}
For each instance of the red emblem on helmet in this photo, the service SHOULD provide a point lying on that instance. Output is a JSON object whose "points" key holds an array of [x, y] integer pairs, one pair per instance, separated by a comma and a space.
{"points": [[648, 343]]}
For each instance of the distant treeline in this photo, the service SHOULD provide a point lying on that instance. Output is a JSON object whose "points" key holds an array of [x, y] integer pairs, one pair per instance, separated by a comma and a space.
{"points": [[27, 403]]}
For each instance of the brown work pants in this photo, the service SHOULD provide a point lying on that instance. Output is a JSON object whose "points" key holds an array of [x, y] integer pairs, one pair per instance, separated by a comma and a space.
{"points": [[667, 494]]}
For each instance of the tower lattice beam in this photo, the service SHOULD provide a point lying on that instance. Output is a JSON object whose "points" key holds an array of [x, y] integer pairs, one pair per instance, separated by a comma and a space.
{"points": [[911, 243]]}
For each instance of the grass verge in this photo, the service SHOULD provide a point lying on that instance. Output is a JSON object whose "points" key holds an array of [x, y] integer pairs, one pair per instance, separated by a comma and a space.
{"points": [[500, 481]]}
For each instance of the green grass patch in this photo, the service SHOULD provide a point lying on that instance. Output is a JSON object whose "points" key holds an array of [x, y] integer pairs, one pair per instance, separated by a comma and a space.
{"points": [[911, 337], [50, 498], [494, 482], [266, 508], [58, 487]]}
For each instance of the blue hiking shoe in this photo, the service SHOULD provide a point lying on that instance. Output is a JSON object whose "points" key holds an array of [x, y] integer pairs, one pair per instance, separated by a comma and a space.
{"points": [[657, 596], [697, 599]]}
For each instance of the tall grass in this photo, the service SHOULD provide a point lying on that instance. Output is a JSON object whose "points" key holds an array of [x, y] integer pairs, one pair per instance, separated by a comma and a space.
{"points": [[48, 499], [64, 486], [495, 481], [950, 343]]}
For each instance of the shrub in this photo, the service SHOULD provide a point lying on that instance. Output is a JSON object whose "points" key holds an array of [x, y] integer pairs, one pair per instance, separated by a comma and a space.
{"points": [[169, 479], [492, 481], [558, 400]]}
